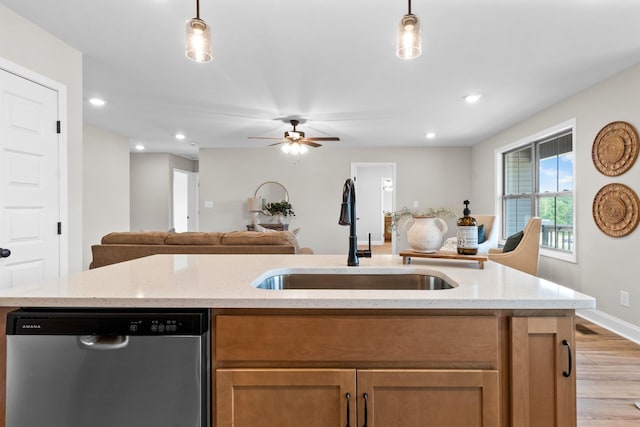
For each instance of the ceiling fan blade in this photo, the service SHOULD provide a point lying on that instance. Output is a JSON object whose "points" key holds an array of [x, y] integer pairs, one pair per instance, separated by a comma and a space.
{"points": [[277, 143], [324, 138], [309, 143], [261, 137]]}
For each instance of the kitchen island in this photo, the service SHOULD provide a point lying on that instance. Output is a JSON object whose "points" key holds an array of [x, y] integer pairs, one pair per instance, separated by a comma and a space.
{"points": [[495, 350]]}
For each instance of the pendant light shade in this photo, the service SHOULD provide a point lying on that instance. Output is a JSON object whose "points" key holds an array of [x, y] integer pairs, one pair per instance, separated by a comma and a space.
{"points": [[409, 41], [198, 41]]}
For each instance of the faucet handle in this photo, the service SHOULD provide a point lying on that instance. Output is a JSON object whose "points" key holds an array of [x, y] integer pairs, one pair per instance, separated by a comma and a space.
{"points": [[365, 253]]}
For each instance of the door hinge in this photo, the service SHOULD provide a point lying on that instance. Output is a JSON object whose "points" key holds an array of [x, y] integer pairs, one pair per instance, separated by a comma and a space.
{"points": [[59, 228], [58, 126]]}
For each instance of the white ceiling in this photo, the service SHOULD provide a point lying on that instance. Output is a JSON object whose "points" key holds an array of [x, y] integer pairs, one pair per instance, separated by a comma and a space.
{"points": [[332, 64]]}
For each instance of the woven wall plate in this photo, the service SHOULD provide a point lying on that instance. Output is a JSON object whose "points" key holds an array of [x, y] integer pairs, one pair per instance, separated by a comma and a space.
{"points": [[615, 210], [615, 148]]}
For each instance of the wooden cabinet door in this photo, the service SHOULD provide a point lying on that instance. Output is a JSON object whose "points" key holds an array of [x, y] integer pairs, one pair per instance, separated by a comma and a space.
{"points": [[438, 398], [543, 381], [285, 397]]}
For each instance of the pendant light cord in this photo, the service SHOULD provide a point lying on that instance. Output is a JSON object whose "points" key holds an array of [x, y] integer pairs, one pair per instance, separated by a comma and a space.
{"points": [[409, 7], [198, 8]]}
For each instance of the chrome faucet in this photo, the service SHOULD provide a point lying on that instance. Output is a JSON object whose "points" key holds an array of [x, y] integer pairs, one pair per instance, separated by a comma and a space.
{"points": [[348, 217]]}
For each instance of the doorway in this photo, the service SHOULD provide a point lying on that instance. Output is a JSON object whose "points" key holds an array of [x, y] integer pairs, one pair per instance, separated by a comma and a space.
{"points": [[33, 188], [375, 195], [185, 201]]}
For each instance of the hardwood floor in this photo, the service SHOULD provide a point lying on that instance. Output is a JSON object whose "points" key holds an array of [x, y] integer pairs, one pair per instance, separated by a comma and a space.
{"points": [[378, 249], [608, 377]]}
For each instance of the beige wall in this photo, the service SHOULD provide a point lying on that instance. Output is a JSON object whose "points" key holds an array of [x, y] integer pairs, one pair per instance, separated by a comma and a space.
{"points": [[36, 50], [605, 265], [151, 189], [229, 176], [106, 186]]}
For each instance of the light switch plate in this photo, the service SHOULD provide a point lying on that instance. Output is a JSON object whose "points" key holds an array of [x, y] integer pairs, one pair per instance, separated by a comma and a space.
{"points": [[624, 298]]}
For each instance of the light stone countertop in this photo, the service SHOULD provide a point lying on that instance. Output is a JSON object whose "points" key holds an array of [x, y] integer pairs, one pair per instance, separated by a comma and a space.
{"points": [[227, 281]]}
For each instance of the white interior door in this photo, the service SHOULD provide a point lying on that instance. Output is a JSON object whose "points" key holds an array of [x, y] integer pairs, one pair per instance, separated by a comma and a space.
{"points": [[185, 200], [180, 200], [192, 202], [29, 181], [371, 200]]}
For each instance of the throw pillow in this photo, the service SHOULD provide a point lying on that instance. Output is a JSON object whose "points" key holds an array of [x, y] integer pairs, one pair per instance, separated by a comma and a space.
{"points": [[512, 241], [481, 236], [262, 229]]}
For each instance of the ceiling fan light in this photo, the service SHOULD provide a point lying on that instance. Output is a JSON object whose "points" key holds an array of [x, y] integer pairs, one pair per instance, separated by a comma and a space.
{"points": [[303, 149], [295, 149], [198, 40], [286, 148], [409, 41]]}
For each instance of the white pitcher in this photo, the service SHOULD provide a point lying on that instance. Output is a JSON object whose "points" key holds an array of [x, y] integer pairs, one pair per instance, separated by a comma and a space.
{"points": [[424, 233]]}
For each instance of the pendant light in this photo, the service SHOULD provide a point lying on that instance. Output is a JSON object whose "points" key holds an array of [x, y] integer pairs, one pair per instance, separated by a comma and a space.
{"points": [[409, 43], [198, 43]]}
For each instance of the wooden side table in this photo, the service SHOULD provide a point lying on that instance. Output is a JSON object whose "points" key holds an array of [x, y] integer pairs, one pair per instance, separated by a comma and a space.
{"points": [[276, 227]]}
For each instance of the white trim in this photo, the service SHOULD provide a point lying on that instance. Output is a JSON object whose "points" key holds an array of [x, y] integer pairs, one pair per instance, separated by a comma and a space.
{"points": [[568, 124], [63, 150], [619, 326], [392, 165]]}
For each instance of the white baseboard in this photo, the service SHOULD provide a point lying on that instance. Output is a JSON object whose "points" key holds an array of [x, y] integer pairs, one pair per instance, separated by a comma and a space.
{"points": [[620, 327]]}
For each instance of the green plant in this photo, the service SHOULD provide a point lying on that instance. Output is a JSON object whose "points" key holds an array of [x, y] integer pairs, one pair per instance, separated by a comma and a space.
{"points": [[405, 212], [279, 208]]}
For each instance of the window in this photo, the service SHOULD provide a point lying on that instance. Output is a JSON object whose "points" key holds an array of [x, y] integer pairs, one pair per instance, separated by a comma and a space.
{"points": [[538, 181]]}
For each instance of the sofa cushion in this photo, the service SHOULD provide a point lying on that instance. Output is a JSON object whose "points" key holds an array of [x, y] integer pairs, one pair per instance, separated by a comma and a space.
{"points": [[258, 238], [194, 238], [135, 238]]}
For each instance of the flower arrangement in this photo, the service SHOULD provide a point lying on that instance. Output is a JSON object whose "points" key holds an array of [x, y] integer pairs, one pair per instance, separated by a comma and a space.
{"points": [[279, 208], [398, 216]]}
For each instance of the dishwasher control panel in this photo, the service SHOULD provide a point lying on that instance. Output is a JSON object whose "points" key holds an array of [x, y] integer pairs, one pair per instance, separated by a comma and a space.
{"points": [[135, 322], [157, 326]]}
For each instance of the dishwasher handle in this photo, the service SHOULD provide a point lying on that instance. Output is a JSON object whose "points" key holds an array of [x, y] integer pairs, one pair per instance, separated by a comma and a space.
{"points": [[103, 342]]}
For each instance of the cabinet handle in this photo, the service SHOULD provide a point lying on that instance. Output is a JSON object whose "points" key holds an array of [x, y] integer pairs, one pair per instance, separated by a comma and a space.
{"points": [[567, 374], [366, 401], [348, 396]]}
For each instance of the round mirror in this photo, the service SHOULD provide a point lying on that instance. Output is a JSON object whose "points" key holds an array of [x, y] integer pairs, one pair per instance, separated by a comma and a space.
{"points": [[272, 191]]}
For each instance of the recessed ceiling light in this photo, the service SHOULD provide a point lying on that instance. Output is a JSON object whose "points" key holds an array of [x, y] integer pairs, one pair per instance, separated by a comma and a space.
{"points": [[139, 147], [97, 102], [430, 135], [472, 98], [180, 136]]}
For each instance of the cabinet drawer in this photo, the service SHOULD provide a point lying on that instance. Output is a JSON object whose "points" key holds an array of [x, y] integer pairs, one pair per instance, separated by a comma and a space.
{"points": [[448, 339]]}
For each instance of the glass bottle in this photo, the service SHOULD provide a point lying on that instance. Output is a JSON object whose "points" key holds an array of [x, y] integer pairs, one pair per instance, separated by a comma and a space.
{"points": [[467, 233]]}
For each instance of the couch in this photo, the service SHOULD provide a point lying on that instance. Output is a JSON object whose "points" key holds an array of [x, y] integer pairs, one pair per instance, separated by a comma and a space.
{"points": [[125, 246]]}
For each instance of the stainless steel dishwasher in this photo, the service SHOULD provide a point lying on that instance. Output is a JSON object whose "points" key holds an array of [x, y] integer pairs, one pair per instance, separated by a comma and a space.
{"points": [[107, 368]]}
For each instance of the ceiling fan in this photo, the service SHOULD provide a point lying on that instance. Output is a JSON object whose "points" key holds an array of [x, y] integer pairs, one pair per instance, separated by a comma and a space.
{"points": [[296, 140]]}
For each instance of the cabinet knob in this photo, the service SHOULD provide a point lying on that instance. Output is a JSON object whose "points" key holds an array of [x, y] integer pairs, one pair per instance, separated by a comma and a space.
{"points": [[567, 373], [4, 253]]}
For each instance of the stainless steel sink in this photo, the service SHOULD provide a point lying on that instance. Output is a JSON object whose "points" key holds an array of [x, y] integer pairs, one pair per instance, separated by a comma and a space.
{"points": [[412, 281]]}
